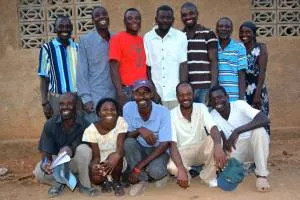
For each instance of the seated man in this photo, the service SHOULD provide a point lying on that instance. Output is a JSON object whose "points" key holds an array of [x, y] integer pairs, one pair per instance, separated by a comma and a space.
{"points": [[243, 133], [189, 124], [149, 134], [64, 133]]}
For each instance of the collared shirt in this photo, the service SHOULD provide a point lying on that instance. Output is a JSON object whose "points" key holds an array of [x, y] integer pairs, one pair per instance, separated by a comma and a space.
{"points": [[241, 113], [164, 56], [159, 122], [199, 66], [93, 70], [230, 60], [58, 63], [55, 136], [186, 132]]}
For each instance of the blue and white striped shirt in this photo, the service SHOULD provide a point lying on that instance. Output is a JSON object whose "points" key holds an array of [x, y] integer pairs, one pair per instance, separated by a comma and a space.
{"points": [[58, 63], [230, 60]]}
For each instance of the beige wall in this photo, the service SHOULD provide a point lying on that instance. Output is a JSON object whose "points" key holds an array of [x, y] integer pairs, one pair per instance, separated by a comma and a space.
{"points": [[20, 110]]}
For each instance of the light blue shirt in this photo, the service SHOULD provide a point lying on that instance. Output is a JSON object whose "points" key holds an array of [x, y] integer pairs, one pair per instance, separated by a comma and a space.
{"points": [[159, 122]]}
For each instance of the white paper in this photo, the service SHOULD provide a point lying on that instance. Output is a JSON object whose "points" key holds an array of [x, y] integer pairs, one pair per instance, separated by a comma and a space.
{"points": [[60, 159]]}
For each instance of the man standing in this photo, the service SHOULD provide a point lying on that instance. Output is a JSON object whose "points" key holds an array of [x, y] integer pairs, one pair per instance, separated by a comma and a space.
{"points": [[57, 67], [202, 53], [64, 133], [189, 124], [127, 56], [232, 61], [166, 55], [243, 132], [93, 71], [149, 134]]}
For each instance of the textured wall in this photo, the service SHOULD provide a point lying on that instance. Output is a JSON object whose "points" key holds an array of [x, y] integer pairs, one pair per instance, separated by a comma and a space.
{"points": [[20, 110]]}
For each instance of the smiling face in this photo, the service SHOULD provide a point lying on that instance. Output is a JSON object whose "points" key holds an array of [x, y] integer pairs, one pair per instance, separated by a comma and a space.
{"points": [[246, 35], [63, 28], [100, 18], [108, 112], [67, 106], [185, 96], [224, 28], [143, 97], [132, 20], [189, 16], [218, 101], [164, 20]]}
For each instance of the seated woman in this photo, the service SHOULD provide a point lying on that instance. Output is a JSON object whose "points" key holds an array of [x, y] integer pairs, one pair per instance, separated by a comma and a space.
{"points": [[106, 138]]}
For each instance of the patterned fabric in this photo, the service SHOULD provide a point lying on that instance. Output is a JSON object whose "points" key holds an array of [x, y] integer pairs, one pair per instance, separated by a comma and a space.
{"points": [[58, 63], [230, 61], [251, 81], [107, 143]]}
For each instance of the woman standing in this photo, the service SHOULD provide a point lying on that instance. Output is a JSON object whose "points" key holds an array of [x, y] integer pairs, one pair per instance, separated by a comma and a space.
{"points": [[257, 56]]}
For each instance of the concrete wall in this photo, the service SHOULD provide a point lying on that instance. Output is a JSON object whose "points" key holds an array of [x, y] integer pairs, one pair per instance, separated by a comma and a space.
{"points": [[20, 111]]}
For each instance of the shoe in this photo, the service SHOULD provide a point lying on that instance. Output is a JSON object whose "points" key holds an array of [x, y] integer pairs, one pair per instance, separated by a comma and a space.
{"points": [[118, 188], [138, 188], [162, 182], [213, 183], [91, 192], [106, 187], [262, 184], [56, 190]]}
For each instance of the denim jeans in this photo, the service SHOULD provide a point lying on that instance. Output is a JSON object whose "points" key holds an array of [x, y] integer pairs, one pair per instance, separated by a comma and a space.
{"points": [[201, 96]]}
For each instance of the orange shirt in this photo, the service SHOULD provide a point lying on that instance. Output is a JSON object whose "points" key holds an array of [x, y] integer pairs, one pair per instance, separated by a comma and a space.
{"points": [[129, 51]]}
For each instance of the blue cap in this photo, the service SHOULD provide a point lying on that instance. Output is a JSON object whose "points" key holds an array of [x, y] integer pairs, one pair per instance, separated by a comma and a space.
{"points": [[142, 83]]}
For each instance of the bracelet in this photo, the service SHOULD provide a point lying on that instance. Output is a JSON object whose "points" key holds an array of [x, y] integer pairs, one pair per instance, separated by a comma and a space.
{"points": [[136, 170]]}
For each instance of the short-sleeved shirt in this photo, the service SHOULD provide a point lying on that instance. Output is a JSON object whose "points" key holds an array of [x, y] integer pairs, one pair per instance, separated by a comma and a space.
{"points": [[107, 143], [159, 122], [54, 135], [129, 51], [230, 60], [199, 66], [59, 63], [164, 55], [241, 113], [186, 132]]}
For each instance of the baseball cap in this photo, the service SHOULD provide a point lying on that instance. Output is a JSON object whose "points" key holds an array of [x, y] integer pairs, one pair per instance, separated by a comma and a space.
{"points": [[231, 176], [142, 83]]}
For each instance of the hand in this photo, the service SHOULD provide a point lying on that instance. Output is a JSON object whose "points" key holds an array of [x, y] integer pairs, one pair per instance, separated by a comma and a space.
{"points": [[232, 139], [105, 168], [256, 102], [88, 107], [219, 156], [148, 135], [113, 159], [182, 178], [47, 167], [48, 111], [133, 177], [156, 98], [66, 149], [96, 169], [226, 146], [122, 99]]}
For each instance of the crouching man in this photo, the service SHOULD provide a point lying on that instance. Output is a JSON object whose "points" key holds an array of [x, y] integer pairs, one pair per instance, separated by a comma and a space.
{"points": [[61, 133]]}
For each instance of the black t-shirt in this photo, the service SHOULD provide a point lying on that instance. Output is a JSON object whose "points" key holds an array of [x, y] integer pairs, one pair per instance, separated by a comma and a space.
{"points": [[54, 136]]}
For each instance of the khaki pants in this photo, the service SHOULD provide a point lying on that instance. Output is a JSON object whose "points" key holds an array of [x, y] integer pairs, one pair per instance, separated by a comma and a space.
{"points": [[197, 154], [255, 148], [78, 165]]}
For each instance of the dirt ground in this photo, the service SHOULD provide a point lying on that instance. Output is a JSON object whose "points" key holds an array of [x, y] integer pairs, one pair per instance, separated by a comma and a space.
{"points": [[284, 163]]}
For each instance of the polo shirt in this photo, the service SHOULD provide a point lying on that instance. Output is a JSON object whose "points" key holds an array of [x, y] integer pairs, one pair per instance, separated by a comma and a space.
{"points": [[241, 113], [230, 60], [186, 132], [199, 67], [54, 136], [159, 122], [164, 55], [58, 63], [129, 51]]}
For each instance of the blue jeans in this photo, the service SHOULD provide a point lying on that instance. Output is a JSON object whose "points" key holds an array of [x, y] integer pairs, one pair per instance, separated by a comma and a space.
{"points": [[201, 96]]}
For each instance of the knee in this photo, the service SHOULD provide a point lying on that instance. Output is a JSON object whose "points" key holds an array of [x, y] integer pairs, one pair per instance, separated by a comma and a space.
{"points": [[84, 152], [260, 134], [129, 144], [38, 174], [158, 172]]}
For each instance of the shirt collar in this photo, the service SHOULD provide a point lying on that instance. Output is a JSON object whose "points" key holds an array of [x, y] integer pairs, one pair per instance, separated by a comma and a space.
{"points": [[170, 33], [99, 36], [58, 43], [152, 115], [180, 113]]}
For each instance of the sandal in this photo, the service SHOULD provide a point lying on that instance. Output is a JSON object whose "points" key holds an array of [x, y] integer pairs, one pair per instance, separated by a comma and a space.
{"points": [[106, 187], [118, 188], [91, 192], [56, 190], [262, 184]]}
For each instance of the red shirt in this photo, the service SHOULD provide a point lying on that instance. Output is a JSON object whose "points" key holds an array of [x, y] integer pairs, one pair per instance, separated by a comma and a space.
{"points": [[129, 51]]}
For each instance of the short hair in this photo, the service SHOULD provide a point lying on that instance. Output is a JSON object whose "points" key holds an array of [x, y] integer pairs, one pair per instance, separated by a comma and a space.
{"points": [[164, 8], [183, 83], [130, 9], [61, 17], [226, 18], [104, 100], [97, 7], [73, 95], [213, 89], [189, 5]]}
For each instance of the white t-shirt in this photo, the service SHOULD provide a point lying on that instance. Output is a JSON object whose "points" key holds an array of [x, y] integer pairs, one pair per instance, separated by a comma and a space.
{"points": [[164, 55], [241, 113], [107, 143], [186, 132]]}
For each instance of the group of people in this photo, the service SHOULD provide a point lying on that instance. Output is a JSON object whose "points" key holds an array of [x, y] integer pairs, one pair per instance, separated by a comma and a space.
{"points": [[139, 109]]}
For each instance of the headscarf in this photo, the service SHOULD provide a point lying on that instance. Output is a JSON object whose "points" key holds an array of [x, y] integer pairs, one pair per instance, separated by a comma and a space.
{"points": [[250, 25]]}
